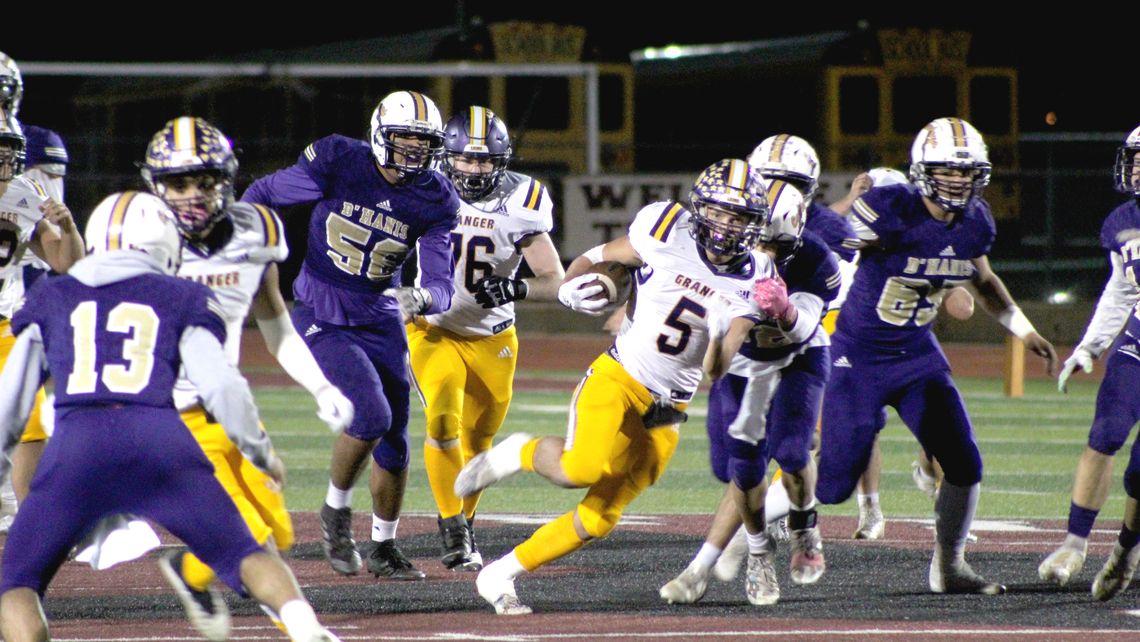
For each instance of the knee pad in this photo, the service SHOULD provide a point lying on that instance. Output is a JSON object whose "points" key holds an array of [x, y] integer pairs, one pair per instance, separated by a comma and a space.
{"points": [[597, 524], [582, 473], [747, 464], [392, 453]]}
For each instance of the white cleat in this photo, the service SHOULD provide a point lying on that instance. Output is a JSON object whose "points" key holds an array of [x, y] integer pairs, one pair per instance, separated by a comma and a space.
{"points": [[6, 522], [728, 564], [1063, 564], [686, 588], [499, 592], [1117, 572], [925, 482], [760, 583], [872, 524], [491, 466], [807, 564]]}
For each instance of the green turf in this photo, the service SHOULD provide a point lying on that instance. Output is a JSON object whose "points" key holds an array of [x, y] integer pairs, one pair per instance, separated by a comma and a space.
{"points": [[1030, 447]]}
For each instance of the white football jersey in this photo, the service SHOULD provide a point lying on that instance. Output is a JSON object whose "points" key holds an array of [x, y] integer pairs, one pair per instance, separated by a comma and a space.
{"points": [[234, 274], [485, 242], [665, 342], [19, 215]]}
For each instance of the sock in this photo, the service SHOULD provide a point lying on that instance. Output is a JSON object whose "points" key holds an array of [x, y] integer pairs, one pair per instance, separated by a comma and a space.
{"points": [[953, 514], [442, 463], [299, 619], [195, 573], [338, 498], [870, 498], [526, 456], [1127, 538], [507, 566], [382, 529], [1081, 520], [552, 541], [757, 543], [706, 557]]}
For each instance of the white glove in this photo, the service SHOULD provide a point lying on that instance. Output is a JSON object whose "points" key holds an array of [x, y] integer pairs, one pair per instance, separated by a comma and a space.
{"points": [[334, 408], [1080, 357], [412, 301], [572, 295]]}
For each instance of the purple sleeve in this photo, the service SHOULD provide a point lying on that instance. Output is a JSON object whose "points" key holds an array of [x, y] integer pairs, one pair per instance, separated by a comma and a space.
{"points": [[437, 265], [284, 187]]}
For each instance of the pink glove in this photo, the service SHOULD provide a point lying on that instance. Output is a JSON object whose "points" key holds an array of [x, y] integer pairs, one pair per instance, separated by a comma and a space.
{"points": [[771, 296]]}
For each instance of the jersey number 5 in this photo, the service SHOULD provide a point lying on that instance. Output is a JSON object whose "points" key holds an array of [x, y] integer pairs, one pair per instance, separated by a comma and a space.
{"points": [[136, 320]]}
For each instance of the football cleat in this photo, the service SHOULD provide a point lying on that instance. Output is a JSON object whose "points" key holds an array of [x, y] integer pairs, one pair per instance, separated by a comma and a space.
{"points": [[387, 560], [336, 540], [458, 543], [1117, 572], [206, 610], [871, 522], [760, 583], [1064, 563], [958, 577], [686, 588], [807, 556], [922, 480], [499, 591]]}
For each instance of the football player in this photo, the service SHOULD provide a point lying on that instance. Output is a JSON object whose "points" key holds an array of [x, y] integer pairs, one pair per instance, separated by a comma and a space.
{"points": [[375, 200], [45, 163], [919, 239], [463, 360], [1117, 408], [626, 413], [114, 334], [29, 220], [233, 248], [767, 407]]}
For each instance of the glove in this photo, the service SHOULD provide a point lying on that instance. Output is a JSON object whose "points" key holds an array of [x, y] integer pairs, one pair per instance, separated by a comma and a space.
{"points": [[663, 414], [412, 301], [334, 408], [494, 291], [1080, 357], [572, 295], [771, 296]]}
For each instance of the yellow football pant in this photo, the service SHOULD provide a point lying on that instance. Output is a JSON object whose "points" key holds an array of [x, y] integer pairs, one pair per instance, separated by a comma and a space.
{"points": [[465, 384], [607, 448], [258, 498], [33, 430]]}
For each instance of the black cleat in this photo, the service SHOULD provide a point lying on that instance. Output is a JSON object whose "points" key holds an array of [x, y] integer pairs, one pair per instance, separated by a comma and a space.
{"points": [[386, 560], [458, 544], [337, 542]]}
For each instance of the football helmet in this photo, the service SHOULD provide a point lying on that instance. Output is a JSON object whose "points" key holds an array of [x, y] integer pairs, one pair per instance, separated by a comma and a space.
{"points": [[191, 149], [950, 144], [407, 114], [729, 185], [136, 221], [11, 86], [13, 149], [790, 158], [885, 176], [1126, 171], [784, 227], [479, 134]]}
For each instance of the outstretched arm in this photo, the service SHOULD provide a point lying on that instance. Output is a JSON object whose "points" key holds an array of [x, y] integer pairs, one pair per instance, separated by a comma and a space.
{"points": [[997, 300]]}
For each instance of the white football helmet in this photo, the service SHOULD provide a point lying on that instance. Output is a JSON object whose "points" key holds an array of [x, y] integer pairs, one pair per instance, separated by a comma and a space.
{"points": [[1126, 172], [784, 227], [136, 221], [13, 148], [950, 144], [407, 113], [790, 158], [885, 176], [11, 85]]}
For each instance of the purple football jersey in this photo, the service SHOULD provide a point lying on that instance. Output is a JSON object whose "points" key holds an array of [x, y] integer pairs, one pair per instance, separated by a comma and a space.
{"points": [[118, 343], [895, 295], [362, 229], [1120, 233], [834, 229]]}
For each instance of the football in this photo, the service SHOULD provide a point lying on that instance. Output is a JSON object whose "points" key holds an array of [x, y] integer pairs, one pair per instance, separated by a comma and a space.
{"points": [[959, 303], [617, 281]]}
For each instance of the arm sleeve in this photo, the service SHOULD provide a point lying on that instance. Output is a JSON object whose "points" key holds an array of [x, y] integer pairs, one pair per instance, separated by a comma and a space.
{"points": [[436, 266], [23, 374], [284, 187], [810, 308], [291, 352], [1112, 309], [224, 392]]}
